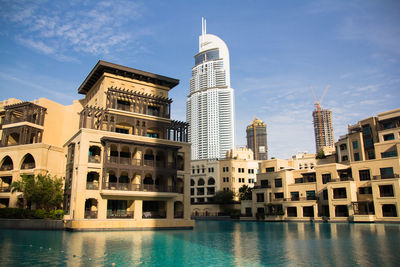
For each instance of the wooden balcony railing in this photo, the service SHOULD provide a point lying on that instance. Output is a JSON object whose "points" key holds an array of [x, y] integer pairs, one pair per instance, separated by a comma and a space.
{"points": [[90, 214], [119, 214], [142, 187]]}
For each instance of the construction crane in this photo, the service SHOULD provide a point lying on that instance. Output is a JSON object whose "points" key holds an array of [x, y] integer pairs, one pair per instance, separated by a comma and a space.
{"points": [[317, 105]]}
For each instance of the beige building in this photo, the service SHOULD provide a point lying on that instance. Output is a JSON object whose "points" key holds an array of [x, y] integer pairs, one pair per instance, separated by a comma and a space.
{"points": [[210, 176], [363, 186], [124, 160]]}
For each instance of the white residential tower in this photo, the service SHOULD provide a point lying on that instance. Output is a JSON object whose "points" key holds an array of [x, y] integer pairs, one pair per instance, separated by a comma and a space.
{"points": [[210, 104]]}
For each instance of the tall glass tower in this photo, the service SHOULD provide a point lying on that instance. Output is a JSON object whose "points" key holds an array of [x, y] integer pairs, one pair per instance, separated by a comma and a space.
{"points": [[210, 103]]}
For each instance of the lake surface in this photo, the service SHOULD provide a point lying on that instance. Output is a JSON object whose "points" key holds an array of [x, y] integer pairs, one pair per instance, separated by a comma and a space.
{"points": [[211, 243]]}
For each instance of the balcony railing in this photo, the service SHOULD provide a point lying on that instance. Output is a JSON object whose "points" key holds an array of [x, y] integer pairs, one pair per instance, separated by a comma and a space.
{"points": [[92, 185], [297, 198], [154, 215], [5, 189], [386, 176], [262, 186], [90, 214], [339, 196], [386, 194], [342, 179], [94, 159], [119, 214], [6, 167], [30, 165], [142, 187]]}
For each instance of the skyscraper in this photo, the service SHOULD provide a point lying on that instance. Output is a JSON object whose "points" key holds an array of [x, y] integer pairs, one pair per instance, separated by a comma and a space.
{"points": [[323, 130], [257, 139], [210, 104]]}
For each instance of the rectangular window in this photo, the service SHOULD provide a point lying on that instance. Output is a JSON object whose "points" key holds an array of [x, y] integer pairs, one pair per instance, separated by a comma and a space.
{"points": [[279, 195], [389, 154], [260, 197], [356, 157], [326, 178], [355, 145], [339, 193], [264, 183], [388, 137], [325, 194], [271, 169], [311, 195], [386, 191], [387, 125], [387, 173], [294, 196], [343, 147], [364, 175], [345, 158], [278, 182]]}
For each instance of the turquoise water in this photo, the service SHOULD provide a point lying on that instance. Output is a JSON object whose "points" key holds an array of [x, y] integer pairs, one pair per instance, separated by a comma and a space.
{"points": [[211, 243]]}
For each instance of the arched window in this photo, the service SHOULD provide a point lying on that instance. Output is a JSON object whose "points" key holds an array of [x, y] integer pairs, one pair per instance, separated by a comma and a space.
{"points": [[148, 179], [211, 181], [192, 182], [6, 164], [94, 154], [28, 162], [201, 182]]}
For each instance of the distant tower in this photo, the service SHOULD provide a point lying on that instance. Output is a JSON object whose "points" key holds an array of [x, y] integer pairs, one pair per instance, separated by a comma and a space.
{"points": [[257, 139], [210, 103], [323, 130]]}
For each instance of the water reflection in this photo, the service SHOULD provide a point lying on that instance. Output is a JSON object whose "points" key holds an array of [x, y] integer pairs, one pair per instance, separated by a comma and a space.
{"points": [[212, 243]]}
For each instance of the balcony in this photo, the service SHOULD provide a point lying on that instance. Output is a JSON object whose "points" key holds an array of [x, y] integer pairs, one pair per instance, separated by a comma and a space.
{"points": [[297, 198], [385, 176], [142, 187], [5, 189], [119, 214], [261, 186], [92, 185], [154, 215], [7, 167], [90, 214], [28, 165], [94, 159], [342, 179]]}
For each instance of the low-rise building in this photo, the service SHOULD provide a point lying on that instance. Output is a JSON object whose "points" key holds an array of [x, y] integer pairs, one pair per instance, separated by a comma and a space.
{"points": [[363, 185], [210, 176]]}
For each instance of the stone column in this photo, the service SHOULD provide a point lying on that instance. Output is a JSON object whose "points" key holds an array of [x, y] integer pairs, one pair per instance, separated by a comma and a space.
{"points": [[138, 212], [170, 209]]}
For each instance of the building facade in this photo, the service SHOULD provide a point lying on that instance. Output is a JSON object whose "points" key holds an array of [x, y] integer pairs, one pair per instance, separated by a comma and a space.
{"points": [[323, 131], [238, 168], [210, 103], [256, 134], [362, 186], [124, 160]]}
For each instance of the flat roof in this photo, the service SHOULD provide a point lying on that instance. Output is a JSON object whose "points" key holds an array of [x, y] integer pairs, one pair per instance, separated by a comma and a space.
{"points": [[107, 67]]}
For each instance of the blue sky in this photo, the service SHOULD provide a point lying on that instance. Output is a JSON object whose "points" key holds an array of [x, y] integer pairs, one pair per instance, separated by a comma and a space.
{"points": [[277, 50]]}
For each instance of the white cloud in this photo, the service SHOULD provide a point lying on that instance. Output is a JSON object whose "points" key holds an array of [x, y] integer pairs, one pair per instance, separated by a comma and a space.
{"points": [[59, 29]]}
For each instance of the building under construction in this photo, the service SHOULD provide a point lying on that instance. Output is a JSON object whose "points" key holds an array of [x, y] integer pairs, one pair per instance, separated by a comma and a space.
{"points": [[324, 139]]}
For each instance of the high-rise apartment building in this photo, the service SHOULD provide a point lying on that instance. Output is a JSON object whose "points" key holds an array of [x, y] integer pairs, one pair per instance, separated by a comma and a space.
{"points": [[323, 130], [257, 139], [210, 104]]}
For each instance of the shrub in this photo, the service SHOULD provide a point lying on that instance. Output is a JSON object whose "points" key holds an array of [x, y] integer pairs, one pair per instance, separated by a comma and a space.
{"points": [[56, 214], [40, 214]]}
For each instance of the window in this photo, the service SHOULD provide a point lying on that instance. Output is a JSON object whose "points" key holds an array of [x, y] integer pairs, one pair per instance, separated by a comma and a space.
{"points": [[278, 182], [364, 175], [387, 173], [311, 195], [386, 191], [356, 157], [264, 183], [326, 178], [154, 111], [339, 193], [345, 158], [250, 170], [260, 197], [271, 169], [294, 196], [388, 137], [389, 154], [355, 145], [279, 195], [365, 190], [325, 194], [191, 191], [387, 125], [121, 130], [343, 147]]}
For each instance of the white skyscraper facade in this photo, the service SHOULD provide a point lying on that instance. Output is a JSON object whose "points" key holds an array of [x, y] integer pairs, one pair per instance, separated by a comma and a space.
{"points": [[210, 104]]}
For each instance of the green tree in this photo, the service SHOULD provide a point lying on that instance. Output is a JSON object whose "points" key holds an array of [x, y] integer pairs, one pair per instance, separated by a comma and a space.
{"points": [[245, 193], [321, 155], [224, 197], [43, 190]]}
